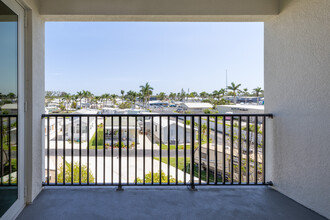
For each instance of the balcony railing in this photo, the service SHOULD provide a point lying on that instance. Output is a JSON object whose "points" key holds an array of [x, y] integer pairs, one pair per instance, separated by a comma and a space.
{"points": [[155, 149], [8, 150]]}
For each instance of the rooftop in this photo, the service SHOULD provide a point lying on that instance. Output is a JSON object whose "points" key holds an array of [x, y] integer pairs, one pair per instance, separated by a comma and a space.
{"points": [[198, 105]]}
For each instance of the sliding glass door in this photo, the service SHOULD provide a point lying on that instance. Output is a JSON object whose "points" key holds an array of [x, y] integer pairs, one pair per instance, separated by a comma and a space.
{"points": [[10, 67]]}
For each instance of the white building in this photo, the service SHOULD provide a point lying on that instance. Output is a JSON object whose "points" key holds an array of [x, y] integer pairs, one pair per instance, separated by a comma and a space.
{"points": [[196, 107], [164, 130], [241, 109]]}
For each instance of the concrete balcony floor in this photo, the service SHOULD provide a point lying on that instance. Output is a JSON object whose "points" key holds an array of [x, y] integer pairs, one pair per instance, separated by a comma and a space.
{"points": [[165, 203]]}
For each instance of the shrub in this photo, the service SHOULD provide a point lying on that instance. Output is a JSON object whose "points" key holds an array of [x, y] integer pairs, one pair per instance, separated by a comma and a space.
{"points": [[148, 178], [75, 174]]}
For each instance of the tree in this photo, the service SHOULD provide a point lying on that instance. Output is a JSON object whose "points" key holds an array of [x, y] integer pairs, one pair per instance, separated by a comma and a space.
{"points": [[161, 96], [66, 98], [75, 173], [234, 89], [172, 96], [80, 96], [131, 96], [257, 91], [216, 94], [222, 92], [122, 95], [245, 93], [203, 95], [148, 178], [113, 99], [146, 92]]}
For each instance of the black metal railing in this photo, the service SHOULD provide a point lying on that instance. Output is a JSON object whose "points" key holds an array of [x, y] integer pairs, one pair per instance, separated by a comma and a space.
{"points": [[8, 150], [155, 149]]}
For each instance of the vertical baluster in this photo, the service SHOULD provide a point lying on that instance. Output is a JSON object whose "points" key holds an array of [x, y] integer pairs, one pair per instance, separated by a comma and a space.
{"points": [[185, 149], [87, 150], [144, 149], [79, 150], [200, 149], [192, 142], [223, 149], [176, 150], [263, 149], [9, 149], [112, 149], [168, 149], [136, 150], [152, 150], [248, 150], [208, 150], [127, 151], [72, 165], [48, 149], [232, 149], [16, 117], [160, 150], [119, 136], [104, 120], [216, 150], [256, 150], [63, 135], [55, 150], [1, 148], [239, 149], [96, 150]]}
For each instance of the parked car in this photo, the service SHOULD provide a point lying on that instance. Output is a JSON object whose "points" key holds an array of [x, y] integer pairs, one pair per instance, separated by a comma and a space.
{"points": [[172, 105], [228, 117]]}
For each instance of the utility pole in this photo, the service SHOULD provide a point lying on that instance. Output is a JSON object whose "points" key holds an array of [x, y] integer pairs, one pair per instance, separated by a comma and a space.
{"points": [[226, 80]]}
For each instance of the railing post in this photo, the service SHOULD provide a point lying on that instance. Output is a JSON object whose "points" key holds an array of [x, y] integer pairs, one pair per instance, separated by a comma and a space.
{"points": [[192, 149], [120, 188]]}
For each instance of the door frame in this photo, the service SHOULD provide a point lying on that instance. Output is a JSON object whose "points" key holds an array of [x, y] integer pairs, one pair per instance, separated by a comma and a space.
{"points": [[19, 204]]}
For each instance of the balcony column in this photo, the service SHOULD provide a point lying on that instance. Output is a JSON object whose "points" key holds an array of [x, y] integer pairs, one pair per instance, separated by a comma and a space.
{"points": [[34, 100]]}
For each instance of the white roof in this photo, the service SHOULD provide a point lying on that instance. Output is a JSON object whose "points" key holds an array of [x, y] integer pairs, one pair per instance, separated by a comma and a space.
{"points": [[257, 107], [9, 106], [198, 105]]}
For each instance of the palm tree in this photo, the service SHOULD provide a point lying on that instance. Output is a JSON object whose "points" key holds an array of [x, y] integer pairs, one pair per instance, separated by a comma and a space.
{"points": [[66, 97], [203, 95], [234, 88], [131, 96], [257, 91], [172, 96], [245, 93], [122, 95], [113, 99], [146, 92], [106, 96], [216, 94], [161, 96], [80, 96], [222, 92]]}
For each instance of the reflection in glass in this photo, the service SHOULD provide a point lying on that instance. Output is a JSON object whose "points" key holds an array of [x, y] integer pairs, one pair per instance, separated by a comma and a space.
{"points": [[8, 108]]}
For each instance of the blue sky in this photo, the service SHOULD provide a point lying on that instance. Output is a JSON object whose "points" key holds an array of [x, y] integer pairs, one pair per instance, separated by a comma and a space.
{"points": [[106, 57]]}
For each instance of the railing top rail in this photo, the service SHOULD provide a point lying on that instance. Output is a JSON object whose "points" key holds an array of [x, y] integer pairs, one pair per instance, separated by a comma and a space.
{"points": [[7, 116], [154, 115]]}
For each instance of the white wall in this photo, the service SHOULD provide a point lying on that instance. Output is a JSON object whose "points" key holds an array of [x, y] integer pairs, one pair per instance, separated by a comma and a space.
{"points": [[34, 97], [297, 77]]}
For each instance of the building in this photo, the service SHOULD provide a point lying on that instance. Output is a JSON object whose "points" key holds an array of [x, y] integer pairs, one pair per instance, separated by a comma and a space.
{"points": [[9, 108], [163, 128], [196, 107], [241, 109], [296, 82]]}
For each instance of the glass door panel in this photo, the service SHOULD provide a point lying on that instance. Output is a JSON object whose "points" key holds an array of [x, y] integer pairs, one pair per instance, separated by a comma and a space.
{"points": [[8, 107]]}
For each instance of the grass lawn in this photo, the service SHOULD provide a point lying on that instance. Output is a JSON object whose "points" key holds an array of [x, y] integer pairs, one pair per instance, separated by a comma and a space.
{"points": [[173, 147], [181, 167]]}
